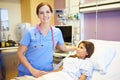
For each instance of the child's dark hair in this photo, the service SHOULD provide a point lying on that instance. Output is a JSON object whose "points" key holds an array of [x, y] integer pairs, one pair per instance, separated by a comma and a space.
{"points": [[89, 47]]}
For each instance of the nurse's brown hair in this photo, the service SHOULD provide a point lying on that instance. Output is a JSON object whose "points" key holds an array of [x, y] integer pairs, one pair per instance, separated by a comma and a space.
{"points": [[42, 4]]}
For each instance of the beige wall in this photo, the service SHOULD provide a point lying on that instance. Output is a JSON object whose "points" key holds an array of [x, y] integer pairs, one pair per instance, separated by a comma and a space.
{"points": [[25, 11], [14, 14]]}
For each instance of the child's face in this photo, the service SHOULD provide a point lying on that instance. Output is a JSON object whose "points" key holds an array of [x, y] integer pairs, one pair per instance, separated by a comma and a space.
{"points": [[81, 51]]}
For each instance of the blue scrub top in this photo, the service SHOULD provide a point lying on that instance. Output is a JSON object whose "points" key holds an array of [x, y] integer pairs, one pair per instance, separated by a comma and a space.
{"points": [[40, 48]]}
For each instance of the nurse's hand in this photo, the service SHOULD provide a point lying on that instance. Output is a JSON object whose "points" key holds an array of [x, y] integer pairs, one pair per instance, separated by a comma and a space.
{"points": [[37, 73]]}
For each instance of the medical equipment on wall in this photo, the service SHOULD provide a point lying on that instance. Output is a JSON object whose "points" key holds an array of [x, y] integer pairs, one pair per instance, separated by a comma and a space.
{"points": [[21, 30], [61, 16]]}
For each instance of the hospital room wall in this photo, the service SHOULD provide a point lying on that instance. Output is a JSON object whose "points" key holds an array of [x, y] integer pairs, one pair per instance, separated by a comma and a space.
{"points": [[108, 25], [14, 15], [100, 19], [58, 5]]}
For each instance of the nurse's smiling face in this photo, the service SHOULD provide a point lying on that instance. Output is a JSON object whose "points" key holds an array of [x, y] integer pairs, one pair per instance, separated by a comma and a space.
{"points": [[44, 14]]}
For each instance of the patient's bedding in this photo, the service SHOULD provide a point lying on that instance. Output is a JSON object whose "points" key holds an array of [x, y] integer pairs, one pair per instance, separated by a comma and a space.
{"points": [[72, 70], [75, 67], [51, 76], [55, 76]]}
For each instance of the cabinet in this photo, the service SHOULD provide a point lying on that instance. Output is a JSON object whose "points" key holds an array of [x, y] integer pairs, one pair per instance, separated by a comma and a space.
{"points": [[9, 62], [100, 19], [28, 10]]}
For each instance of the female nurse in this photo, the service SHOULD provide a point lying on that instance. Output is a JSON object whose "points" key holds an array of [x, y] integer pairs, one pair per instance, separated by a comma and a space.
{"points": [[36, 48]]}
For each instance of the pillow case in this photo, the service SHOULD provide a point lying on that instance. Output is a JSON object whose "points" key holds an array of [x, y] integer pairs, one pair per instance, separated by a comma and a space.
{"points": [[102, 57]]}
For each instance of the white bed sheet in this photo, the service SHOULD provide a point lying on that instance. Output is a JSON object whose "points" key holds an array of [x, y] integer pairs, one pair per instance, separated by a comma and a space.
{"points": [[51, 76], [113, 71]]}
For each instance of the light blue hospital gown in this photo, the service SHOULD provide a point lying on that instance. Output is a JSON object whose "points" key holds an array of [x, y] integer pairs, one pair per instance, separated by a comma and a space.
{"points": [[75, 67]]}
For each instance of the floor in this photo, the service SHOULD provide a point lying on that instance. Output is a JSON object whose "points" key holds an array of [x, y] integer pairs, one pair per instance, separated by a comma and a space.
{"points": [[10, 75]]}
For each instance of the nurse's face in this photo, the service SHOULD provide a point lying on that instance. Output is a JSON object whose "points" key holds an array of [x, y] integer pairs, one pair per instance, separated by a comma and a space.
{"points": [[81, 51], [44, 14]]}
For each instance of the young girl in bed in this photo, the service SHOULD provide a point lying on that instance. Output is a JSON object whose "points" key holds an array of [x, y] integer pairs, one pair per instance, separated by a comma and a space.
{"points": [[75, 67]]}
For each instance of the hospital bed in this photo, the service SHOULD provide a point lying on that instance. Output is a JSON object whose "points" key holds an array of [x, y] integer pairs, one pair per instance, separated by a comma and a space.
{"points": [[107, 56], [106, 59], [113, 68]]}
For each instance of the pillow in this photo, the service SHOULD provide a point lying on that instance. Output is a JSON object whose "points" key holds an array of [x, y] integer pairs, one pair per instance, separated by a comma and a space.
{"points": [[102, 57]]}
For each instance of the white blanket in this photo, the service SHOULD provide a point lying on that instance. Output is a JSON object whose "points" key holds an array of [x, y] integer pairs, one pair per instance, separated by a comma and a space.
{"points": [[55, 76], [50, 76]]}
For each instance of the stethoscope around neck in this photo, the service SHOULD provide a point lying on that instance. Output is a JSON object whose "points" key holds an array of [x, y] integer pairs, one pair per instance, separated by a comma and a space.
{"points": [[38, 29]]}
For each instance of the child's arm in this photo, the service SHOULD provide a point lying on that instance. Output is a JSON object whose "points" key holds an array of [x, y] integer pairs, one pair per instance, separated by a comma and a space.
{"points": [[83, 77]]}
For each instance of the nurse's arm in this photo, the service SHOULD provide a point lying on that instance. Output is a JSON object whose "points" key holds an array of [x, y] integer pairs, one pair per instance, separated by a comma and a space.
{"points": [[66, 48], [20, 53]]}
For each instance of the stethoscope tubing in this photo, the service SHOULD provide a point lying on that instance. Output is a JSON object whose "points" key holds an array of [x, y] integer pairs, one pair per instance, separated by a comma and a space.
{"points": [[38, 28]]}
